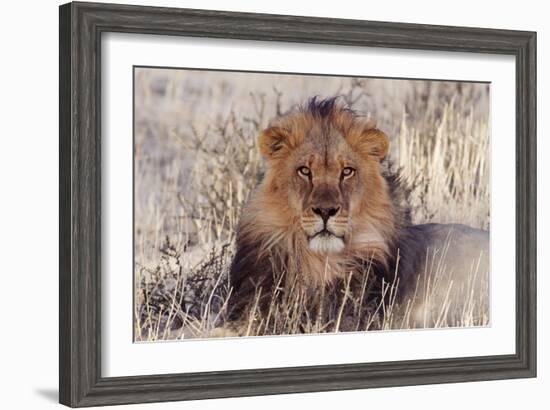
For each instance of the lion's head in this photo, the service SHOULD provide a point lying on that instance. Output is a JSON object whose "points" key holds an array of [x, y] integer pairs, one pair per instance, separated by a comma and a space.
{"points": [[324, 162]]}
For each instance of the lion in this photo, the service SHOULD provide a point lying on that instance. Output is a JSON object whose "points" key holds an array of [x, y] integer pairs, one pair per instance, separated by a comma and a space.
{"points": [[326, 215]]}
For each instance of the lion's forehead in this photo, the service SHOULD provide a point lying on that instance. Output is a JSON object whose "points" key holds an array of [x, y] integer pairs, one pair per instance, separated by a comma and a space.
{"points": [[326, 155]]}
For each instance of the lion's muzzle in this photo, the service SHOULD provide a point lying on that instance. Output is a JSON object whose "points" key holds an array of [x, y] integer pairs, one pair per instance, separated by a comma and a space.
{"points": [[325, 229]]}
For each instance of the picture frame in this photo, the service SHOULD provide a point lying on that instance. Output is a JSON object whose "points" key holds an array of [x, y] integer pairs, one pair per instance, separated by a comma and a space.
{"points": [[81, 26]]}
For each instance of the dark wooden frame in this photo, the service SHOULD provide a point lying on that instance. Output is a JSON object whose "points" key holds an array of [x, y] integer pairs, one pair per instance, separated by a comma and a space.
{"points": [[81, 27]]}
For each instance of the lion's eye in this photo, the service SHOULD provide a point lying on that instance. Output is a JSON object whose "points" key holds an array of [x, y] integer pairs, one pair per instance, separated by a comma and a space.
{"points": [[304, 171], [348, 172]]}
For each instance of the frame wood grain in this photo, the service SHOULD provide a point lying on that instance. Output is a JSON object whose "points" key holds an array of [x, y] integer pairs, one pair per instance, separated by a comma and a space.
{"points": [[81, 27]]}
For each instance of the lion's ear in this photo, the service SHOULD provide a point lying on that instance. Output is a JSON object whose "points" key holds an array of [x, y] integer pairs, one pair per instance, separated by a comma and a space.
{"points": [[373, 142], [274, 142]]}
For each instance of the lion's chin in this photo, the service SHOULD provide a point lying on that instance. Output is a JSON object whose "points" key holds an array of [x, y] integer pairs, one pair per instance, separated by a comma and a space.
{"points": [[326, 244]]}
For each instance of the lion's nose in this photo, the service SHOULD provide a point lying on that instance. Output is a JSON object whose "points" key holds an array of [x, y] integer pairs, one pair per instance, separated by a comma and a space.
{"points": [[325, 213]]}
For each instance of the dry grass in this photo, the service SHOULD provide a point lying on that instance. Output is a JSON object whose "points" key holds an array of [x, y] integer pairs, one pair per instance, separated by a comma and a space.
{"points": [[196, 163]]}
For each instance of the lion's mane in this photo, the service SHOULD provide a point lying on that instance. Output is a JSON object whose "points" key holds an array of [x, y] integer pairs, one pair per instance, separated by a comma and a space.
{"points": [[270, 251]]}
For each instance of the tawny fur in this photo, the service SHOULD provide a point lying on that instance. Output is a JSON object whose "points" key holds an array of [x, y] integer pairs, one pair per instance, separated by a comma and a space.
{"points": [[312, 223], [271, 238]]}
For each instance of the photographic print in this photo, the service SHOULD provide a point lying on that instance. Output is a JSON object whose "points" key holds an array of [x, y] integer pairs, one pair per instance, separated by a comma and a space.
{"points": [[263, 182], [283, 204]]}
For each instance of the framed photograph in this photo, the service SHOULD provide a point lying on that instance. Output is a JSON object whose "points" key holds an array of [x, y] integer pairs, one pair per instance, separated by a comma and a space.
{"points": [[260, 204]]}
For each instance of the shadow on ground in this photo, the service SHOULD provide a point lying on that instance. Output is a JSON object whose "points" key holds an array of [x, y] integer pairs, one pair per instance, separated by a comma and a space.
{"points": [[49, 394]]}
